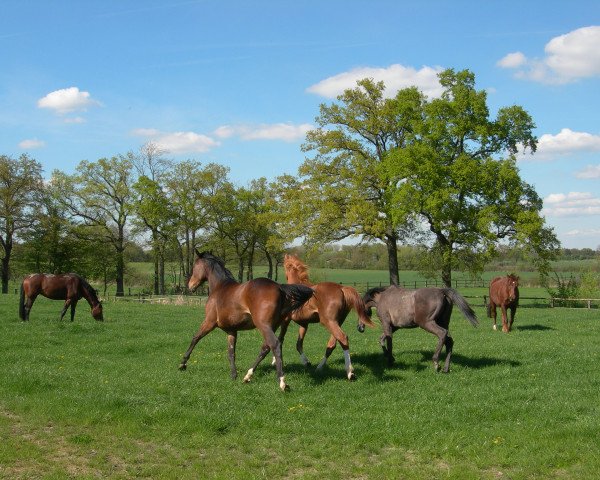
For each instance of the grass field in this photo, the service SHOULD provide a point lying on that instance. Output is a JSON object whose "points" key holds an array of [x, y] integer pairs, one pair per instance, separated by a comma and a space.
{"points": [[88, 400]]}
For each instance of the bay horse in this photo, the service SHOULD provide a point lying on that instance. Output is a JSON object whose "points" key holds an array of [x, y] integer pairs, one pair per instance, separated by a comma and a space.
{"points": [[428, 308], [232, 306], [69, 287], [329, 306], [504, 292]]}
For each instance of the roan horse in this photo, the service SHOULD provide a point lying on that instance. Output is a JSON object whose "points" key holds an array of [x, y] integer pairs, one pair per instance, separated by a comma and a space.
{"points": [[329, 306], [504, 292], [69, 287], [428, 308], [260, 303]]}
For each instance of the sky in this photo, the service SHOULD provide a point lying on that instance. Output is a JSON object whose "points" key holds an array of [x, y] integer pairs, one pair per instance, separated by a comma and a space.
{"points": [[239, 83]]}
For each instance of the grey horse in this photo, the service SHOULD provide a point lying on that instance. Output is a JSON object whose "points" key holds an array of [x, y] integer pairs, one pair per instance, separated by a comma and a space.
{"points": [[428, 308]]}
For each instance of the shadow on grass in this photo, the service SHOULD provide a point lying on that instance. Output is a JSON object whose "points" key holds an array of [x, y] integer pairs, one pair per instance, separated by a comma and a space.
{"points": [[536, 328]]}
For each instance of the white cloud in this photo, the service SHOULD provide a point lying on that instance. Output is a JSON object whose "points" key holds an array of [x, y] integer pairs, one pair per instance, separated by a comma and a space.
{"points": [[277, 131], [590, 171], [583, 232], [31, 144], [512, 60], [74, 120], [395, 77], [566, 142], [569, 57], [178, 142], [67, 100], [571, 204]]}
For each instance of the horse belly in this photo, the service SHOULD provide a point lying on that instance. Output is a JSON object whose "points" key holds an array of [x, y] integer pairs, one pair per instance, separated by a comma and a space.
{"points": [[236, 321]]}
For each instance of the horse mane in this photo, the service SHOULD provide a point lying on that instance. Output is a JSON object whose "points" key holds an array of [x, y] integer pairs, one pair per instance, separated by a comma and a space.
{"points": [[373, 291], [216, 264], [292, 262], [87, 287]]}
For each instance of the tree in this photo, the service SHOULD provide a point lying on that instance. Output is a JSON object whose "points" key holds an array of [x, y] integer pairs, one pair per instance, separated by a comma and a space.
{"points": [[459, 178], [20, 184], [342, 191], [152, 208], [100, 196], [190, 186]]}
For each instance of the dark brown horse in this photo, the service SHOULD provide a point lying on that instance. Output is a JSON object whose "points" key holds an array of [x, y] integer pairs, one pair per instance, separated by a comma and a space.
{"points": [[329, 306], [504, 293], [69, 287], [428, 308], [260, 303]]}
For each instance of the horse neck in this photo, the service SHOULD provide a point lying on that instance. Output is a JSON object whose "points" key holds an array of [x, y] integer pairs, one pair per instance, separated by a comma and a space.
{"points": [[217, 278], [88, 293]]}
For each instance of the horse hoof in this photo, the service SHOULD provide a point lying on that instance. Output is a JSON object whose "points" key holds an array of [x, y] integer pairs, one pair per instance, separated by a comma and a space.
{"points": [[286, 388], [351, 376], [436, 367], [495, 327], [182, 367]]}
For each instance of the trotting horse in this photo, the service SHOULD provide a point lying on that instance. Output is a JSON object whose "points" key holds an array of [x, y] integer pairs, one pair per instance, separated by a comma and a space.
{"points": [[428, 308], [329, 306], [504, 292], [69, 287], [260, 303]]}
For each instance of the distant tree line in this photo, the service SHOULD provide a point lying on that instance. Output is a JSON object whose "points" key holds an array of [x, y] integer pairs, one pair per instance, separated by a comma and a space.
{"points": [[434, 182]]}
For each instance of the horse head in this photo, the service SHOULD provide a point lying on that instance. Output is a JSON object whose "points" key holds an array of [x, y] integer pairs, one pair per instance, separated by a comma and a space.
{"points": [[513, 285], [199, 271], [295, 270], [97, 312]]}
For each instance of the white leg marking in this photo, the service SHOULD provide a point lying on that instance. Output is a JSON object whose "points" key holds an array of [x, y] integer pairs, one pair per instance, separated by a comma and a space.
{"points": [[349, 369], [273, 360], [282, 384], [495, 327], [248, 376]]}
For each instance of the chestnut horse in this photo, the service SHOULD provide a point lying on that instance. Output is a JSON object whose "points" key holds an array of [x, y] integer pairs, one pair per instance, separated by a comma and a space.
{"points": [[428, 308], [260, 303], [330, 306], [69, 287], [504, 293]]}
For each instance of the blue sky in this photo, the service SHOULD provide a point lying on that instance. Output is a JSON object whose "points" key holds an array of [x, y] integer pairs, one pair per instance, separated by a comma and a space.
{"points": [[240, 82]]}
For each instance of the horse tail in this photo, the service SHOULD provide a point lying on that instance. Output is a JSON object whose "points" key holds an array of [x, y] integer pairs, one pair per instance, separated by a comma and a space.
{"points": [[462, 305], [354, 299], [22, 303], [295, 296]]}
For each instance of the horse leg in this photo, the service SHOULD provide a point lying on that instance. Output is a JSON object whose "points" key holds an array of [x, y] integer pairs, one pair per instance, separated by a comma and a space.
{"points": [[449, 345], [504, 319], [73, 305], [493, 314], [337, 334], [300, 345], [65, 308], [231, 341], [275, 345], [512, 317], [386, 343], [264, 351], [206, 327], [28, 304], [330, 348], [442, 335]]}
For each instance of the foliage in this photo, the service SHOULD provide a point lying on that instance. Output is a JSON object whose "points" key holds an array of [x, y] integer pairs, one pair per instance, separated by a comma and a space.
{"points": [[20, 184], [450, 180]]}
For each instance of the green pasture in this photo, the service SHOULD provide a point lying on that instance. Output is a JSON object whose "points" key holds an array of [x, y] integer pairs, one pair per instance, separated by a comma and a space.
{"points": [[90, 399]]}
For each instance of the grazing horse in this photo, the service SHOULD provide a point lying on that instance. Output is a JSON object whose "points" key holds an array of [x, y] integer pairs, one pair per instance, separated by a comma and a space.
{"points": [[428, 308], [232, 306], [69, 287], [329, 306], [504, 292]]}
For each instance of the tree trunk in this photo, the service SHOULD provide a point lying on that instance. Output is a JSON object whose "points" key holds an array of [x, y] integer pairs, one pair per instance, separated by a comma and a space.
{"points": [[161, 272], [120, 273], [8, 244], [270, 262], [240, 269], [390, 242]]}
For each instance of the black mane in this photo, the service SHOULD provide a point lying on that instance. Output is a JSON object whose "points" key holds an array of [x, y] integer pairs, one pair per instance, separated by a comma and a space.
{"points": [[217, 265]]}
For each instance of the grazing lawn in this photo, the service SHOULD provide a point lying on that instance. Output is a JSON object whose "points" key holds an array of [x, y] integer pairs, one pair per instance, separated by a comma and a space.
{"points": [[90, 399]]}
